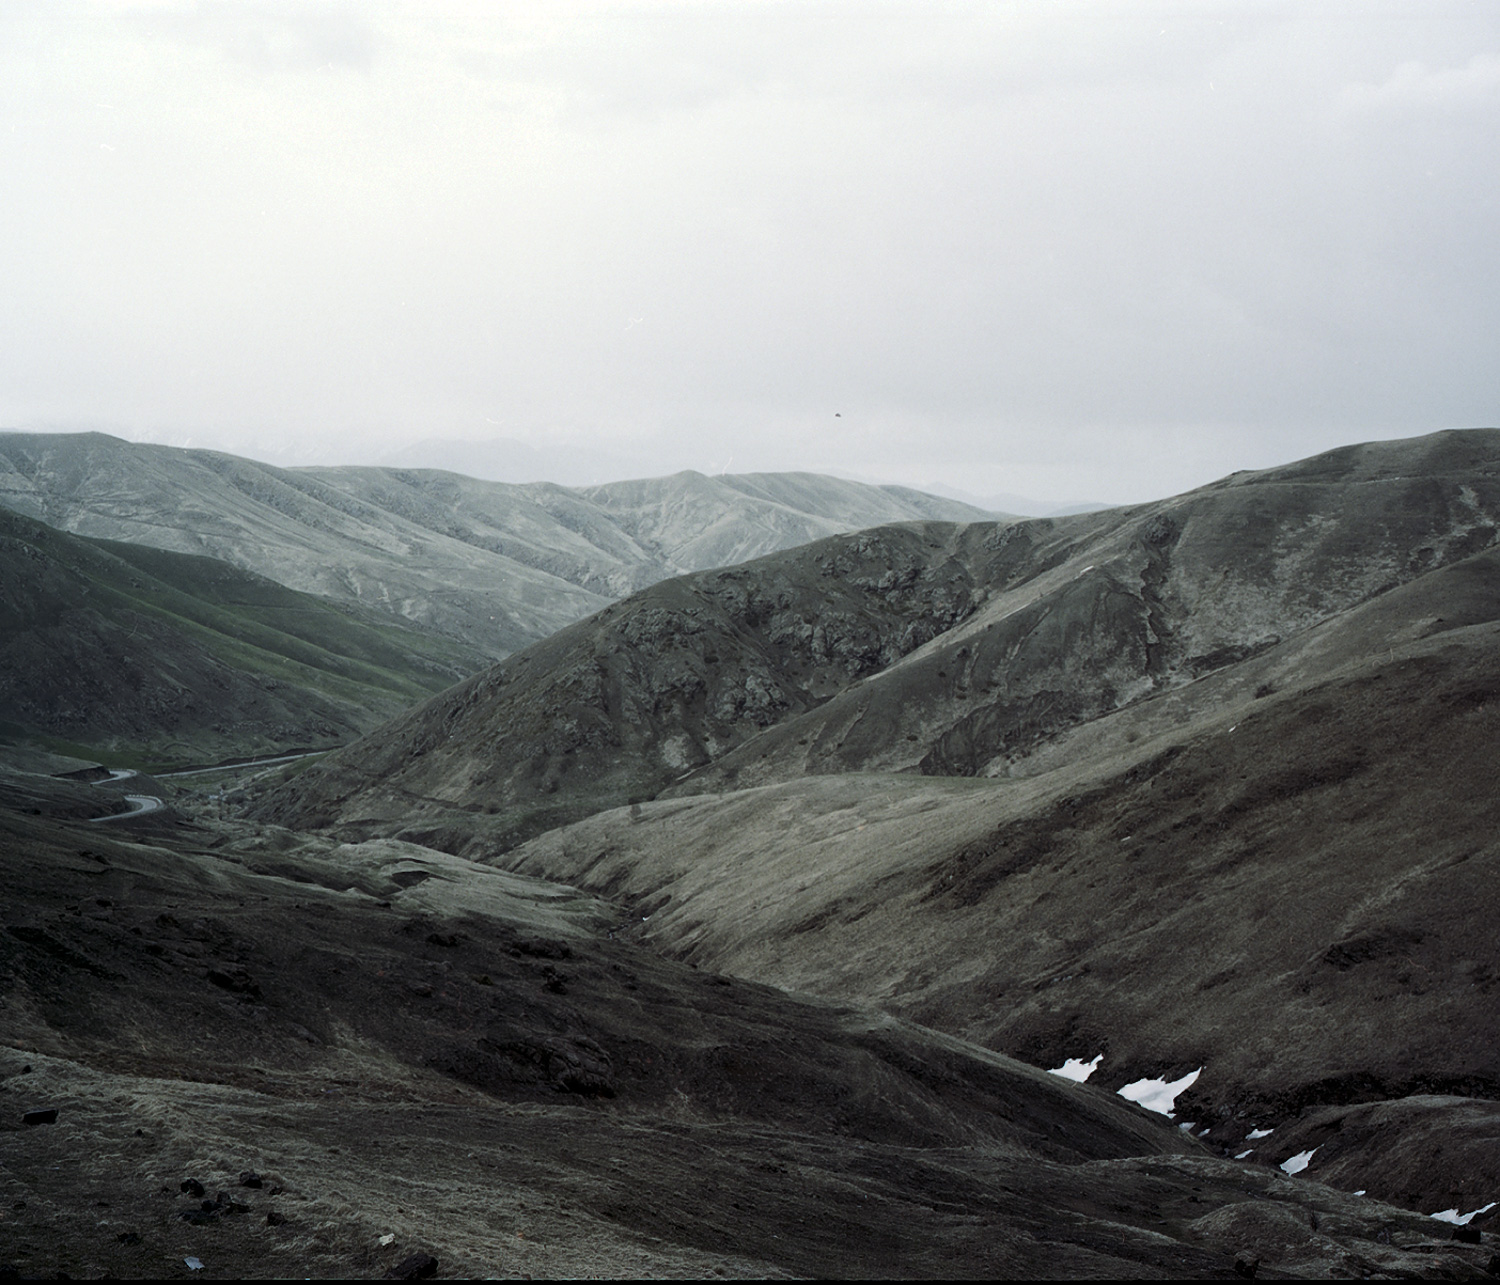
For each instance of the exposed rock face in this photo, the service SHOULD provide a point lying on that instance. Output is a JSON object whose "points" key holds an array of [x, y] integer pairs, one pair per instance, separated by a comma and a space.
{"points": [[617, 707], [492, 566], [951, 650]]}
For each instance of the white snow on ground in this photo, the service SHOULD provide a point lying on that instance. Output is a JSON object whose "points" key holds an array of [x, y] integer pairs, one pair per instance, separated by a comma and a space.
{"points": [[1158, 1095], [1075, 1068], [1458, 1219], [1243, 1154], [1298, 1162], [1257, 1133], [1188, 1126]]}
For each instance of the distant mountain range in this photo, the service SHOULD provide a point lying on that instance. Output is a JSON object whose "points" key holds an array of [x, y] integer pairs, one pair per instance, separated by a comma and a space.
{"points": [[488, 565]]}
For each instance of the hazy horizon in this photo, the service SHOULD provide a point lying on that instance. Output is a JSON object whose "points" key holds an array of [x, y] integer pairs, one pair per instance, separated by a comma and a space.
{"points": [[1083, 252]]}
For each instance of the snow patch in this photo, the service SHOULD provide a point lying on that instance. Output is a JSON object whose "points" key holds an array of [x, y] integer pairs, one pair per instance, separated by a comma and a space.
{"points": [[1458, 1219], [1243, 1154], [1158, 1095], [1257, 1133], [1298, 1162], [1075, 1068]]}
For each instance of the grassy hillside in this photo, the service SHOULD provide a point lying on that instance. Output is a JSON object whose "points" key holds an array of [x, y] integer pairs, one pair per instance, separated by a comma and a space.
{"points": [[172, 658], [415, 1053]]}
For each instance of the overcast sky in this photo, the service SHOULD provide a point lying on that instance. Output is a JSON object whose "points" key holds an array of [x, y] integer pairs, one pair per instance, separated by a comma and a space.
{"points": [[1085, 251]]}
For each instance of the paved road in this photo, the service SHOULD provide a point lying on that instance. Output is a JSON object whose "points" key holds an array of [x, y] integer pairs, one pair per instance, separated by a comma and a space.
{"points": [[230, 767], [140, 804]]}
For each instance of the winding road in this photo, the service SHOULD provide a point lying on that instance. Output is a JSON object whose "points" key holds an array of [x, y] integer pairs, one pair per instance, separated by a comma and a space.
{"points": [[140, 804]]}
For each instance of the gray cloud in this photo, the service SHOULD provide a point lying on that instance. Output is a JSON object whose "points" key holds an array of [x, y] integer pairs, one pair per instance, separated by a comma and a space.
{"points": [[1085, 250]]}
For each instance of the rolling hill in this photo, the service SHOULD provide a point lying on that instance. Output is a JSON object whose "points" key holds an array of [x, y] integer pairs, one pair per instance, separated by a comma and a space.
{"points": [[281, 1056]]}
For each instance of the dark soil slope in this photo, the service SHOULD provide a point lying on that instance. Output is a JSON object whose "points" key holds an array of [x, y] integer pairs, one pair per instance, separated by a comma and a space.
{"points": [[281, 1058]]}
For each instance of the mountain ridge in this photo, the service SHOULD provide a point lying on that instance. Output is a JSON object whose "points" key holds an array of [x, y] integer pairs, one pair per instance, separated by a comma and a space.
{"points": [[923, 647], [492, 565]]}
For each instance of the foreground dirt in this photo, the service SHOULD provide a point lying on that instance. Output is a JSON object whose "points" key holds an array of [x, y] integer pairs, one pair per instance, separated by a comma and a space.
{"points": [[414, 1054]]}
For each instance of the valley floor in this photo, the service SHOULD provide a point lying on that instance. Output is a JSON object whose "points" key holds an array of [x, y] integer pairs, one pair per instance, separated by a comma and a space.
{"points": [[415, 1054]]}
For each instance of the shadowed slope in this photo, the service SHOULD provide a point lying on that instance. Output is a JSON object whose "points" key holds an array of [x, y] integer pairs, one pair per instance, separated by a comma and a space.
{"points": [[621, 705]]}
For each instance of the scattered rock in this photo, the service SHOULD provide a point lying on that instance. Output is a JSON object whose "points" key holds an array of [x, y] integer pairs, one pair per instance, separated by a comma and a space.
{"points": [[250, 1179], [129, 1238], [557, 982], [418, 1267], [543, 948], [274, 1219], [193, 1187], [210, 1210], [236, 980], [45, 1115], [1468, 1235], [1246, 1265]]}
